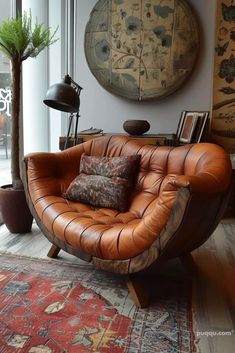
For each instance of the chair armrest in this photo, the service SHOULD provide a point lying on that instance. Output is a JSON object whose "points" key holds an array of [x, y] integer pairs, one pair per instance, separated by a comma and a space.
{"points": [[52, 172], [175, 186], [63, 164], [203, 182]]}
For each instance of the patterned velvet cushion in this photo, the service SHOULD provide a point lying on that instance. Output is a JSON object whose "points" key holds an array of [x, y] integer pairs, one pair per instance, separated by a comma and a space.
{"points": [[104, 181]]}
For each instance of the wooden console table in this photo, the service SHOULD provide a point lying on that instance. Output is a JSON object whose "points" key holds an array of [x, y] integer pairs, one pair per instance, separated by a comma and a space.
{"points": [[146, 139]]}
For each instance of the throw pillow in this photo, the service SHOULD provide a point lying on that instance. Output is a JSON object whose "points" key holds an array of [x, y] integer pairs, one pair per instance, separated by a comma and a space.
{"points": [[104, 181]]}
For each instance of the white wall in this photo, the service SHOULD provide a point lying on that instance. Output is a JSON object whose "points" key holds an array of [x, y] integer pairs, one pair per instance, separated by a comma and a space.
{"points": [[42, 125], [101, 109], [5, 9], [34, 86], [55, 69]]}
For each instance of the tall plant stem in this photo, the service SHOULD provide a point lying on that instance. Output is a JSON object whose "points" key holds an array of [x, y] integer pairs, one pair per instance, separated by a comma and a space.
{"points": [[16, 84]]}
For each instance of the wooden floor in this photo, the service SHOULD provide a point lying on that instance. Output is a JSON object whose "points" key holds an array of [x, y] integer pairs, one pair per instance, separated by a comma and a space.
{"points": [[213, 289]]}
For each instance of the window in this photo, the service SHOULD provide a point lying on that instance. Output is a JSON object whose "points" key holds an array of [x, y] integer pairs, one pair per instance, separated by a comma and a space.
{"points": [[5, 103]]}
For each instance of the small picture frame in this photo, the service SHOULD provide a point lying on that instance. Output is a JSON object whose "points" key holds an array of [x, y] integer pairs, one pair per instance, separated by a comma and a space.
{"points": [[201, 124], [189, 121], [198, 126]]}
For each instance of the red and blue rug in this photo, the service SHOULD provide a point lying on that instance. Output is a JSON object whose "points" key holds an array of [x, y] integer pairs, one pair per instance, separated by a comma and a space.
{"points": [[51, 306]]}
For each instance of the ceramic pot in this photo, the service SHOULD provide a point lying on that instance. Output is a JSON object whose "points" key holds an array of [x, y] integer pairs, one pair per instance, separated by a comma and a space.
{"points": [[136, 127], [14, 210]]}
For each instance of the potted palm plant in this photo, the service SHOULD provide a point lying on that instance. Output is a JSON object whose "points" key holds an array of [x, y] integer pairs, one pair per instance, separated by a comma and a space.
{"points": [[19, 40]]}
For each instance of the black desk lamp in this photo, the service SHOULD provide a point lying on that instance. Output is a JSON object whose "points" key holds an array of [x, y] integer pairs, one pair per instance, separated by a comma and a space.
{"points": [[65, 96]]}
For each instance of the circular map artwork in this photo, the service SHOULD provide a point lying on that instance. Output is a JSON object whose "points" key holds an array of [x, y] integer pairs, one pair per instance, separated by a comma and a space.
{"points": [[141, 49]]}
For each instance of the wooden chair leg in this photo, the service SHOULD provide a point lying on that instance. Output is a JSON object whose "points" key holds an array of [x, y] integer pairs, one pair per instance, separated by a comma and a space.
{"points": [[54, 251], [189, 264], [136, 290]]}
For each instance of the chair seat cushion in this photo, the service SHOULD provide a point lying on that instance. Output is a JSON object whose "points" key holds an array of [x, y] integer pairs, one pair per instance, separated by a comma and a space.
{"points": [[104, 181]]}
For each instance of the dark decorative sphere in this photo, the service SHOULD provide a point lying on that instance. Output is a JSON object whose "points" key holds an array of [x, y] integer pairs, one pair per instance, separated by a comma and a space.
{"points": [[136, 127]]}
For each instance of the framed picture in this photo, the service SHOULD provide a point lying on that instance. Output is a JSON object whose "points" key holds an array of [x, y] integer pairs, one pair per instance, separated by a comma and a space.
{"points": [[201, 124], [191, 126], [189, 121], [180, 124]]}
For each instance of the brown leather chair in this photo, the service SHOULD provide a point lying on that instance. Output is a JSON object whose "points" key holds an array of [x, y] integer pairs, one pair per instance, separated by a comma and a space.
{"points": [[177, 202]]}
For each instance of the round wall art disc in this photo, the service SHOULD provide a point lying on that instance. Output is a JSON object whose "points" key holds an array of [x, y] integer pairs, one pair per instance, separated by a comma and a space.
{"points": [[141, 49]]}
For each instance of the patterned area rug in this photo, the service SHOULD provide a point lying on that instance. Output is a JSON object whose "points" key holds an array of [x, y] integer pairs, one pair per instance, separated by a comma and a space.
{"points": [[51, 306]]}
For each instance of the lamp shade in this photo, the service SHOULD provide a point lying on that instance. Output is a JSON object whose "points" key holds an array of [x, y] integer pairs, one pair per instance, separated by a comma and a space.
{"points": [[62, 96]]}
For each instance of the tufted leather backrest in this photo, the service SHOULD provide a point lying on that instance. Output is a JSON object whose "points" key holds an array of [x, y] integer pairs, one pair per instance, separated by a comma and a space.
{"points": [[207, 164]]}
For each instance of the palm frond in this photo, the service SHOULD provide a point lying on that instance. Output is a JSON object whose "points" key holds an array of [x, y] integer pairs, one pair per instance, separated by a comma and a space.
{"points": [[19, 40]]}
